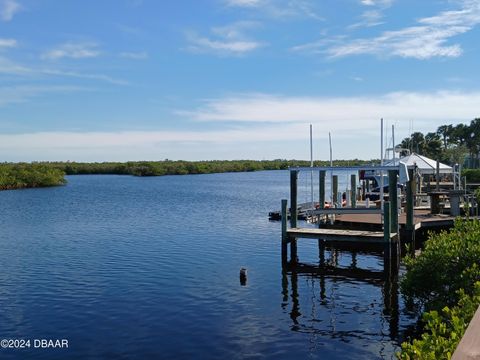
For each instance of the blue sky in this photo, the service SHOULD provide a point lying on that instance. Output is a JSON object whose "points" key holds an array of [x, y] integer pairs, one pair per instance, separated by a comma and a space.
{"points": [[118, 80]]}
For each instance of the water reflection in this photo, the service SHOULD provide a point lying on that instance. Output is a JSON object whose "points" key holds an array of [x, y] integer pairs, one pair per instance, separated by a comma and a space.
{"points": [[349, 295]]}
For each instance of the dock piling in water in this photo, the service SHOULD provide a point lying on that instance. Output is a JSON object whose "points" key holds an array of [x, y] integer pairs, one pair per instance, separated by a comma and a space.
{"points": [[284, 231], [353, 187]]}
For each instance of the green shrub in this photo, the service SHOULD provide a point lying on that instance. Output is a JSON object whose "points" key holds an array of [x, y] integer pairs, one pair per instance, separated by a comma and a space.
{"points": [[18, 176], [443, 330], [449, 262], [473, 175]]}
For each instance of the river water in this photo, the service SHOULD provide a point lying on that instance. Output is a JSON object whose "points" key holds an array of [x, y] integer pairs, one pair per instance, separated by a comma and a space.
{"points": [[148, 268]]}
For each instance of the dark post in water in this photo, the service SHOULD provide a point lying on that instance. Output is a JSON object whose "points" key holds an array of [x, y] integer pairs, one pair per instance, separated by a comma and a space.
{"points": [[322, 189], [293, 212], [353, 186]]}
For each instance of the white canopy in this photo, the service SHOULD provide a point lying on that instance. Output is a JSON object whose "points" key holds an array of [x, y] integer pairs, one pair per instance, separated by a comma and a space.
{"points": [[424, 164]]}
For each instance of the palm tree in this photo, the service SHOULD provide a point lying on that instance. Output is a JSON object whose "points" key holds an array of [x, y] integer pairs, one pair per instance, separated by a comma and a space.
{"points": [[445, 131]]}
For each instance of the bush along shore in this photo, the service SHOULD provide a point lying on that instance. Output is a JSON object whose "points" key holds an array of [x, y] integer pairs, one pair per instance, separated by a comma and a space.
{"points": [[19, 176], [27, 175], [180, 167], [444, 281]]}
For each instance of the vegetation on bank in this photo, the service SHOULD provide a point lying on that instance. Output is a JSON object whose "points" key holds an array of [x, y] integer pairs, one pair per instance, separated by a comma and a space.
{"points": [[169, 167], [444, 280], [23, 175], [19, 176]]}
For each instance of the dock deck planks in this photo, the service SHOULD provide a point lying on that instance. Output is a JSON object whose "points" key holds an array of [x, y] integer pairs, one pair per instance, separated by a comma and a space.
{"points": [[338, 234]]}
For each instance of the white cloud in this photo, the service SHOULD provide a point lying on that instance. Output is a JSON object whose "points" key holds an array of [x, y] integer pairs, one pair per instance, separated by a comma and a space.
{"points": [[228, 40], [9, 67], [341, 113], [385, 3], [244, 3], [425, 40], [369, 18], [73, 50], [262, 126], [22, 93], [279, 8], [134, 55], [7, 43], [73, 74], [8, 9]]}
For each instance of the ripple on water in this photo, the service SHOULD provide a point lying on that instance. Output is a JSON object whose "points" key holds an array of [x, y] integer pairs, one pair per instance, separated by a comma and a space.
{"points": [[129, 267]]}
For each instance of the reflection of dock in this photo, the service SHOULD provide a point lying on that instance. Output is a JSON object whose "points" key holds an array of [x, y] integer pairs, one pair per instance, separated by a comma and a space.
{"points": [[328, 271]]}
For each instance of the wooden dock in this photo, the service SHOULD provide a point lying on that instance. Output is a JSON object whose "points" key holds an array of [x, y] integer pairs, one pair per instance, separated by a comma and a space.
{"points": [[339, 235]]}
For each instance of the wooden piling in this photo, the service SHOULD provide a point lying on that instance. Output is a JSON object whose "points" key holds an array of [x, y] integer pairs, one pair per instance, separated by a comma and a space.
{"points": [[353, 186], [321, 192], [293, 213], [335, 189], [393, 199], [409, 226], [386, 222], [284, 232], [293, 198]]}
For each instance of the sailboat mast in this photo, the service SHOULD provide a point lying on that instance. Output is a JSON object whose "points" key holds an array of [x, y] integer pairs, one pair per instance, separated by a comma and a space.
{"points": [[393, 145], [311, 165], [331, 171], [381, 163]]}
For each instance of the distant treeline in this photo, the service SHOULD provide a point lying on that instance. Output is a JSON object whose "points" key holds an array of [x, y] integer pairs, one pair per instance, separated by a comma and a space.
{"points": [[19, 176], [169, 167], [25, 175]]}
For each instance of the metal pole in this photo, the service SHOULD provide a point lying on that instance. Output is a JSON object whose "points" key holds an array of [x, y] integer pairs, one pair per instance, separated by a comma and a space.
{"points": [[311, 165], [331, 173], [393, 140], [381, 163]]}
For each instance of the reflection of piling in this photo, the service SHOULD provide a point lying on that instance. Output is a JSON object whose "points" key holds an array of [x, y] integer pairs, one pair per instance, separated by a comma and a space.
{"points": [[387, 280]]}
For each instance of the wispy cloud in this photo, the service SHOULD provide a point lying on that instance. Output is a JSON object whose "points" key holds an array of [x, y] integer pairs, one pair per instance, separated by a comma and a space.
{"points": [[369, 18], [252, 134], [427, 39], [245, 3], [100, 77], [377, 2], [73, 50], [134, 55], [8, 9], [348, 113], [23, 93], [279, 8], [11, 68], [374, 15], [7, 43], [226, 40]]}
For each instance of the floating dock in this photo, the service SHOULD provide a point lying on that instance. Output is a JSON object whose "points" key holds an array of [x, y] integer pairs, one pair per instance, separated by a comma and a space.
{"points": [[384, 223]]}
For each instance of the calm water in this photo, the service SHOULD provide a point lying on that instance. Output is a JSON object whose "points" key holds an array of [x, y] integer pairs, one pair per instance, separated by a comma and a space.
{"points": [[126, 267]]}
